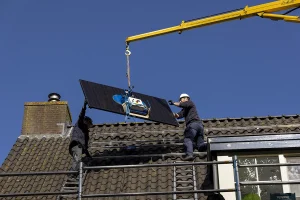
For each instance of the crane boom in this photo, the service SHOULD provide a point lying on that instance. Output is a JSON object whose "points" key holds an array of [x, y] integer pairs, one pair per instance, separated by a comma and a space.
{"points": [[262, 10]]}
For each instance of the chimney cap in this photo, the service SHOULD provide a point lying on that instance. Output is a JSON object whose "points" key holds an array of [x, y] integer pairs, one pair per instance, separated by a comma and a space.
{"points": [[54, 97]]}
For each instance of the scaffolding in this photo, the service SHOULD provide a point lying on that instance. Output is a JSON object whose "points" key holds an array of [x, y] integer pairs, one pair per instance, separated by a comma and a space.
{"points": [[80, 195]]}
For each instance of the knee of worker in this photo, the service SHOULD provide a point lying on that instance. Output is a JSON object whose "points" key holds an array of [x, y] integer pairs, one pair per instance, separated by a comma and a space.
{"points": [[202, 145], [187, 140], [201, 130], [190, 133]]}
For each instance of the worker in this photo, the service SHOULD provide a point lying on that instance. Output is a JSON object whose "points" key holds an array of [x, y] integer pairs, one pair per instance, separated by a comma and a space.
{"points": [[194, 127], [79, 140]]}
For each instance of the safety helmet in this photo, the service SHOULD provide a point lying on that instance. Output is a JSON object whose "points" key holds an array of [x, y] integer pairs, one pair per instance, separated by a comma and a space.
{"points": [[184, 95]]}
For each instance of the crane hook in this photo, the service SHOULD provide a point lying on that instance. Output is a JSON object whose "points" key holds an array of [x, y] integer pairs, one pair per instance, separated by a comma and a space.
{"points": [[127, 52]]}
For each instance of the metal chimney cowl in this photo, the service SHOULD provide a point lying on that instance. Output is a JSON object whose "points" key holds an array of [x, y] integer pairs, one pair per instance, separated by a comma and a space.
{"points": [[54, 97]]}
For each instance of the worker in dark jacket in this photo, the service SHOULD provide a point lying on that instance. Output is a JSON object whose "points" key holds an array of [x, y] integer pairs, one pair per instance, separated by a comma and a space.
{"points": [[80, 139], [194, 127]]}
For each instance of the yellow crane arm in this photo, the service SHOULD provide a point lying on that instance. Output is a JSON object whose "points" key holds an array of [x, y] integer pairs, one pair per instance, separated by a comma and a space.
{"points": [[263, 10]]}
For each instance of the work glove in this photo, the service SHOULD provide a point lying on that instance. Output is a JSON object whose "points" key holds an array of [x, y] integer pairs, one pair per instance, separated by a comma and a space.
{"points": [[87, 153], [171, 102], [85, 104]]}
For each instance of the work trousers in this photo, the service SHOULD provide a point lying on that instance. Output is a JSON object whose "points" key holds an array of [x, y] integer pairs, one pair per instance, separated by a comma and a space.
{"points": [[194, 133], [77, 155]]}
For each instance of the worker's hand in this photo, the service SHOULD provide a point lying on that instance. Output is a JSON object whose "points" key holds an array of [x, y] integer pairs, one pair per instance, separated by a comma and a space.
{"points": [[171, 102], [176, 115], [87, 153], [85, 103]]}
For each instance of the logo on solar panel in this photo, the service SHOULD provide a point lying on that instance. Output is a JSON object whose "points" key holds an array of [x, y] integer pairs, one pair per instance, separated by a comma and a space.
{"points": [[133, 106]]}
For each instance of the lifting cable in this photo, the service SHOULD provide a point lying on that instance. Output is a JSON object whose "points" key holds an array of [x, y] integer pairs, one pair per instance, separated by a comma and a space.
{"points": [[128, 53], [128, 93]]}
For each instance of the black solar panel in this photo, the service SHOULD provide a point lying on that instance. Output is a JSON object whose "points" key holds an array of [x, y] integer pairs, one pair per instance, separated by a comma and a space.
{"points": [[142, 106]]}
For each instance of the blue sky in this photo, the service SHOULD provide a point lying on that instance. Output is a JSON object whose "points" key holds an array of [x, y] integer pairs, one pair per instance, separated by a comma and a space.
{"points": [[235, 69]]}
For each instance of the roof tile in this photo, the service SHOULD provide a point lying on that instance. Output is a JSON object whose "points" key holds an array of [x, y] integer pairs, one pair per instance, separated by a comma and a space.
{"points": [[50, 153]]}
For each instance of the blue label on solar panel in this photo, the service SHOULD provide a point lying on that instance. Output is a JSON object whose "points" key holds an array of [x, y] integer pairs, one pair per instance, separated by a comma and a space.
{"points": [[120, 99]]}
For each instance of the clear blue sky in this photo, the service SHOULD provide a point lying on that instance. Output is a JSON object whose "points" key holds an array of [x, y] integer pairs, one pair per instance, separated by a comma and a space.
{"points": [[235, 69]]}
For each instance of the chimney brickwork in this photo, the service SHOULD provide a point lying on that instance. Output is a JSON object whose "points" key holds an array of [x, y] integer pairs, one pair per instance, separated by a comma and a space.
{"points": [[50, 117]]}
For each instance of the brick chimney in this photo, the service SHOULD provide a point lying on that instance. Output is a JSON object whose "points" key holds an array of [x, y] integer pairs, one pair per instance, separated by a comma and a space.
{"points": [[51, 117]]}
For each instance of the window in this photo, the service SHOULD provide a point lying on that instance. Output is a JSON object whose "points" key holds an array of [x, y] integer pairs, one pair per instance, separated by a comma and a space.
{"points": [[293, 173], [276, 173], [260, 174]]}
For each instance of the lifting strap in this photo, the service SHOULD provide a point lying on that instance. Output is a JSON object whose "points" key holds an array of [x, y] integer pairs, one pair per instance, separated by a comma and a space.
{"points": [[127, 94], [128, 53]]}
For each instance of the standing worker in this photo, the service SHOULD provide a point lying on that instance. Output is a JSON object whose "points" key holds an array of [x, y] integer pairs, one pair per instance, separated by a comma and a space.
{"points": [[194, 127], [79, 140]]}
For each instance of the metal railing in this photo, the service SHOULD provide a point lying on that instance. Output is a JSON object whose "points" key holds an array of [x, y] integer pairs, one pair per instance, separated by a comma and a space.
{"points": [[34, 174], [81, 168], [80, 194]]}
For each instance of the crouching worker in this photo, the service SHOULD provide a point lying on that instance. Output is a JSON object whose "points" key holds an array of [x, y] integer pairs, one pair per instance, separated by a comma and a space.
{"points": [[194, 127], [79, 140]]}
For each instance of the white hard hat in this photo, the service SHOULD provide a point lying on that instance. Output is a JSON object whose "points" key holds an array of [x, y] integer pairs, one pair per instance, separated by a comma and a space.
{"points": [[184, 95]]}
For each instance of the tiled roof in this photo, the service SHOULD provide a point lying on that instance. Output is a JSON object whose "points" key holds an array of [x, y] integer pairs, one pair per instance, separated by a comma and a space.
{"points": [[50, 153]]}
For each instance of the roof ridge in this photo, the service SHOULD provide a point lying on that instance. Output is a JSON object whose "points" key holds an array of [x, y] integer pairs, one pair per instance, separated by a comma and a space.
{"points": [[40, 136], [253, 117], [205, 120]]}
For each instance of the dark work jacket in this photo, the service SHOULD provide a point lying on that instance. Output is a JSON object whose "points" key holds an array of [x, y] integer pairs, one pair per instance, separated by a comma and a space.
{"points": [[189, 112], [80, 133]]}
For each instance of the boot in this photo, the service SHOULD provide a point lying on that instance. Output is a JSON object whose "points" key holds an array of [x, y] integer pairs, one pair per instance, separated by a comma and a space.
{"points": [[187, 158]]}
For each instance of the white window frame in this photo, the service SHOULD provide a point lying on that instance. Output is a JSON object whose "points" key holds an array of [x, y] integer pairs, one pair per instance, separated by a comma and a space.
{"points": [[284, 171], [226, 176]]}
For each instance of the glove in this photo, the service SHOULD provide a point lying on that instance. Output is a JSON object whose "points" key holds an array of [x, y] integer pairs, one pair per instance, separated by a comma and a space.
{"points": [[171, 102], [88, 154], [84, 105]]}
